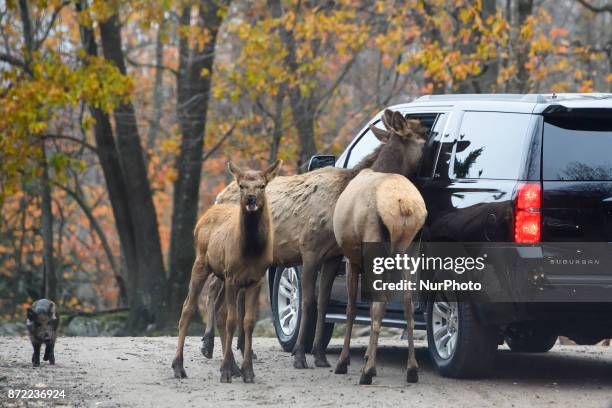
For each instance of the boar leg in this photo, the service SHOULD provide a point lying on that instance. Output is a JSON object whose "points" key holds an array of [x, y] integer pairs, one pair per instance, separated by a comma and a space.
{"points": [[251, 296], [230, 327], [49, 355], [198, 278], [36, 355]]}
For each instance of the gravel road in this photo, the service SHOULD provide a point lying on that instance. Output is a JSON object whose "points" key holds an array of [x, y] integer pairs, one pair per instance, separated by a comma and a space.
{"points": [[135, 372]]}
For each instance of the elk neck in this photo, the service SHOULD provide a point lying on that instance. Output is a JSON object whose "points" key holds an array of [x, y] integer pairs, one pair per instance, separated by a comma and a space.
{"points": [[254, 230]]}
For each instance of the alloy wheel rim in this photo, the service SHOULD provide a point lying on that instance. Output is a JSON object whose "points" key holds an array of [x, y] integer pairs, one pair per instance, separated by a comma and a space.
{"points": [[288, 300], [445, 323]]}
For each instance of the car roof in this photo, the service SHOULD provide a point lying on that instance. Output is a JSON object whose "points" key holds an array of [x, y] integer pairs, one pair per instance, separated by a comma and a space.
{"points": [[519, 103]]}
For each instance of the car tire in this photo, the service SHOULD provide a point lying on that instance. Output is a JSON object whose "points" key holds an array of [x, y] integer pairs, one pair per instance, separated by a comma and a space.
{"points": [[287, 307], [459, 345], [531, 341]]}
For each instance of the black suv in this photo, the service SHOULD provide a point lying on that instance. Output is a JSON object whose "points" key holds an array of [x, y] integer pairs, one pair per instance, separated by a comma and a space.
{"points": [[522, 169]]}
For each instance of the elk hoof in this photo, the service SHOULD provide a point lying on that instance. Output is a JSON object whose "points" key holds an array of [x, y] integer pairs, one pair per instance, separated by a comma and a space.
{"points": [[36, 364], [299, 361], [226, 375], [341, 366], [412, 376], [208, 344], [179, 371], [52, 361], [248, 376], [365, 379], [322, 362]]}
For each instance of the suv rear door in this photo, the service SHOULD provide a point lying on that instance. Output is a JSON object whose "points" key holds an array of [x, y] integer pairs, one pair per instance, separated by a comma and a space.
{"points": [[577, 176], [577, 195]]}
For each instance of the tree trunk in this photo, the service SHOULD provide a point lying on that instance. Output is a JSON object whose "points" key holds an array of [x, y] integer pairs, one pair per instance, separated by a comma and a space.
{"points": [[157, 88], [302, 107], [50, 278], [147, 291], [524, 10], [108, 156], [192, 106], [277, 131], [486, 80]]}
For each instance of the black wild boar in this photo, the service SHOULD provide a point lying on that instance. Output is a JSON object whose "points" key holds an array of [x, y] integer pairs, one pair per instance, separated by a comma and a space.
{"points": [[42, 324]]}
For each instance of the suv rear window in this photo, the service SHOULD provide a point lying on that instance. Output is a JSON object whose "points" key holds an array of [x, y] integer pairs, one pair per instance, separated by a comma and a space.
{"points": [[577, 149], [490, 146]]}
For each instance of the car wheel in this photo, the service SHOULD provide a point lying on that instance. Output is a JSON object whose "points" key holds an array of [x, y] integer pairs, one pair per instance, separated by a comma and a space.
{"points": [[531, 341], [460, 347], [286, 310]]}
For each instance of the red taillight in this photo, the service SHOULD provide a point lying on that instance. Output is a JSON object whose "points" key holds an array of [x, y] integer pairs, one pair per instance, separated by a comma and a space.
{"points": [[527, 217]]}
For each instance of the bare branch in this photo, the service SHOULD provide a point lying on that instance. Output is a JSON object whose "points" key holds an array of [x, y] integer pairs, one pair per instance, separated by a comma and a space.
{"points": [[607, 8], [218, 144], [137, 64], [71, 138]]}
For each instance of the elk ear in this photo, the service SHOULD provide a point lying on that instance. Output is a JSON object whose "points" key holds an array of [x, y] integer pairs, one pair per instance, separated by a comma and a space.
{"points": [[234, 170], [31, 315], [271, 171], [387, 119], [380, 134]]}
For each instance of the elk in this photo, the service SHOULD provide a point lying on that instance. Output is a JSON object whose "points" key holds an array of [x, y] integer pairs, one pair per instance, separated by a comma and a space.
{"points": [[380, 206], [234, 242], [302, 209]]}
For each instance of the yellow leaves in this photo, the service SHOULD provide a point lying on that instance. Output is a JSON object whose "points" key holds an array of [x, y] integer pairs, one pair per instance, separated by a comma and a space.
{"points": [[609, 78]]}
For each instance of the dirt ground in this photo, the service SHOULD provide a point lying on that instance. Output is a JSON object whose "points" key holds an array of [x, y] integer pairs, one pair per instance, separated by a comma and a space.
{"points": [[135, 372]]}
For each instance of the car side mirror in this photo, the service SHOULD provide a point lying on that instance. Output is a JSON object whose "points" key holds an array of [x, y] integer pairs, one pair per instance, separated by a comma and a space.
{"points": [[321, 160]]}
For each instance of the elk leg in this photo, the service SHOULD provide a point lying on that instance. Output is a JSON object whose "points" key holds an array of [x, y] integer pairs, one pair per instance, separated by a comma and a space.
{"points": [[36, 355], [309, 279], [198, 278], [214, 289], [328, 274], [352, 284], [377, 312], [221, 320], [412, 375], [241, 313], [251, 296], [230, 327]]}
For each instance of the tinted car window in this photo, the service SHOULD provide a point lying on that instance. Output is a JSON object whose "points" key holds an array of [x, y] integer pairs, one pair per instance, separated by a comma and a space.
{"points": [[366, 145], [430, 151], [490, 145], [368, 142], [577, 149]]}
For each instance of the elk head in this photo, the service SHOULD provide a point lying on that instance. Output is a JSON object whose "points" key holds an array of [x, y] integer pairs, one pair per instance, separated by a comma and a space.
{"points": [[252, 184], [403, 141]]}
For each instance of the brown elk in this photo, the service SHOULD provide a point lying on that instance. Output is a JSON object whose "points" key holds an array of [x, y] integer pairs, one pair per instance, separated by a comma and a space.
{"points": [[234, 242], [302, 209], [378, 206]]}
